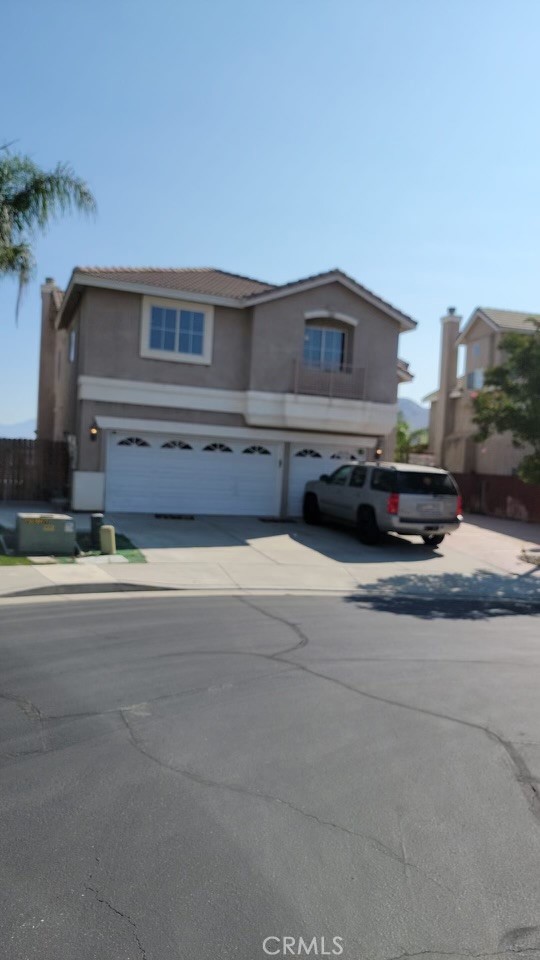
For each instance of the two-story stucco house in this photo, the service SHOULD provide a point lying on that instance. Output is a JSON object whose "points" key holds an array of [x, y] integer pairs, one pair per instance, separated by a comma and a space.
{"points": [[199, 391], [451, 426]]}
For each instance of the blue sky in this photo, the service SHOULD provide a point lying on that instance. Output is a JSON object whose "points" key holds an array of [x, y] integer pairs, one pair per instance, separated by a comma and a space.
{"points": [[396, 139]]}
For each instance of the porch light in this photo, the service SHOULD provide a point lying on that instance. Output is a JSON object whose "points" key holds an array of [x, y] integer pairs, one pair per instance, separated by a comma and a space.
{"points": [[93, 432]]}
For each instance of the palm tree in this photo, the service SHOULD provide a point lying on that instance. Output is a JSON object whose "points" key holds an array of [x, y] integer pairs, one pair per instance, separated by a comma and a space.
{"points": [[408, 441], [29, 199]]}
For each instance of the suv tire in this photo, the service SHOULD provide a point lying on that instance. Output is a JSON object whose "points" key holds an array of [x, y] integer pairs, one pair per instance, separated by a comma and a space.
{"points": [[310, 510], [433, 539], [367, 528]]}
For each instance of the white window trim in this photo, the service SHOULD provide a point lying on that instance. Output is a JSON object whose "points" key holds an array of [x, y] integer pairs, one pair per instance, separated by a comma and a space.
{"points": [[330, 315], [171, 355]]}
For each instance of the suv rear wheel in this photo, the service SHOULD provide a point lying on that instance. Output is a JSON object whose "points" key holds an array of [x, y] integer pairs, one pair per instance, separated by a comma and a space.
{"points": [[433, 539], [367, 528], [310, 511]]}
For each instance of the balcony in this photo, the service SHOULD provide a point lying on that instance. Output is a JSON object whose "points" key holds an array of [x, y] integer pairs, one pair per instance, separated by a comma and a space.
{"points": [[347, 383]]}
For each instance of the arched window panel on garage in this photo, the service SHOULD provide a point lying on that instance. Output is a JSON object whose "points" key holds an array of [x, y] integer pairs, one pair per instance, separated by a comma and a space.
{"points": [[218, 448], [176, 445], [257, 450], [343, 455], [308, 453], [133, 442]]}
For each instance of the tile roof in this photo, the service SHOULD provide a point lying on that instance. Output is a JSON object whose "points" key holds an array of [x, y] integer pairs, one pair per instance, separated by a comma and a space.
{"points": [[205, 280], [340, 274], [515, 320]]}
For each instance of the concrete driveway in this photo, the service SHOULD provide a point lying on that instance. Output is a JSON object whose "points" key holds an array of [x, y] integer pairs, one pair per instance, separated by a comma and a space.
{"points": [[252, 554], [245, 553]]}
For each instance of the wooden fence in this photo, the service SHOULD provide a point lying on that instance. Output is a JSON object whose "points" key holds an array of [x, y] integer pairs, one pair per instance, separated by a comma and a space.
{"points": [[498, 496], [33, 469]]}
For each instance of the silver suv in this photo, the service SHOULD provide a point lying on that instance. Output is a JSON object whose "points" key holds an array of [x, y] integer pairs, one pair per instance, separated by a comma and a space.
{"points": [[387, 497]]}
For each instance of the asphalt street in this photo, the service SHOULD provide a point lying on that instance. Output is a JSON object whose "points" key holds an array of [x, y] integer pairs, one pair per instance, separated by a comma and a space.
{"points": [[201, 777]]}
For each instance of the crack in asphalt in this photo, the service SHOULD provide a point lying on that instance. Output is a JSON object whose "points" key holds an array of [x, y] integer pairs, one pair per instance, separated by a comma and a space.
{"points": [[31, 711], [24, 704], [522, 773], [201, 780], [303, 639], [119, 913], [521, 770], [511, 951]]}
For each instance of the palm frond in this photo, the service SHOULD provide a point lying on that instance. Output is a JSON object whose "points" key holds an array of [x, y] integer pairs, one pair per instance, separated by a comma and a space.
{"points": [[29, 199]]}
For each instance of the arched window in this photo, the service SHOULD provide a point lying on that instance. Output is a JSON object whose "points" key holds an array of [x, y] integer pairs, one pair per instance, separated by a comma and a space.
{"points": [[133, 442], [343, 455], [307, 453], [256, 449], [218, 448], [175, 445]]}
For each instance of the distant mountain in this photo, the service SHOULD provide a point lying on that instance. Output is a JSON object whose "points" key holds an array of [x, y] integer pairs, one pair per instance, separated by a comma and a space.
{"points": [[24, 430], [416, 416]]}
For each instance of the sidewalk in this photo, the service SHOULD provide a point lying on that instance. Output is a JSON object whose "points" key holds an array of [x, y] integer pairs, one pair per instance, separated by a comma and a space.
{"points": [[245, 554]]}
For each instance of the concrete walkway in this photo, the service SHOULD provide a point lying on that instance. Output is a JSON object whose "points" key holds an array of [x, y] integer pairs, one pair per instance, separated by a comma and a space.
{"points": [[235, 554]]}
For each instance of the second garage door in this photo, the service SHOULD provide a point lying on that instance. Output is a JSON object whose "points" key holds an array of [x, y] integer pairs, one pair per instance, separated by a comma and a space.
{"points": [[308, 462], [150, 473]]}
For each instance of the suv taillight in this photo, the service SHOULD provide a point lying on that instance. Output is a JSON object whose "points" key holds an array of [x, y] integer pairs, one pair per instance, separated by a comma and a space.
{"points": [[392, 505], [459, 507]]}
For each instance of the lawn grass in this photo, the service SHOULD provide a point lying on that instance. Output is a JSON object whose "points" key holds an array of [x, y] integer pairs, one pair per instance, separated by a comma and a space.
{"points": [[6, 561], [124, 547]]}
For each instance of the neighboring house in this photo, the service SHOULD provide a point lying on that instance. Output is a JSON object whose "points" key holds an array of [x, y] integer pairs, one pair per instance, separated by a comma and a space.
{"points": [[199, 391], [451, 427]]}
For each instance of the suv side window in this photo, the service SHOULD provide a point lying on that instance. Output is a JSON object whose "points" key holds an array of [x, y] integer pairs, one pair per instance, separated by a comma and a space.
{"points": [[341, 476], [358, 477], [383, 480]]}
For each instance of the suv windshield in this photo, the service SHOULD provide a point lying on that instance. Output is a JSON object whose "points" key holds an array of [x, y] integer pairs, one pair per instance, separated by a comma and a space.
{"points": [[425, 483]]}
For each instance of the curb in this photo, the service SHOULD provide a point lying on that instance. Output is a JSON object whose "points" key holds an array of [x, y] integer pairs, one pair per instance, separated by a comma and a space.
{"points": [[63, 589]]}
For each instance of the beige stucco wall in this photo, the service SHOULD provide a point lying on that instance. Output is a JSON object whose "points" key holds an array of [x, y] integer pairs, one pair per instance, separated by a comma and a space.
{"points": [[110, 345], [498, 455], [65, 382], [278, 337], [482, 338], [252, 349]]}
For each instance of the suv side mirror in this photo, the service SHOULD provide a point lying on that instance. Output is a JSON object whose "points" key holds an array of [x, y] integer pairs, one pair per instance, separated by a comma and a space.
{"points": [[324, 477]]}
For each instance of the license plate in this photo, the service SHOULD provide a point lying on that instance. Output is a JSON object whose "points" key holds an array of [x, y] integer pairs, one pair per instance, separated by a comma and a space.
{"points": [[429, 509]]}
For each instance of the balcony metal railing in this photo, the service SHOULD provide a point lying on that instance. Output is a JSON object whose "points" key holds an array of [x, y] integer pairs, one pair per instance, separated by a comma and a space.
{"points": [[347, 382]]}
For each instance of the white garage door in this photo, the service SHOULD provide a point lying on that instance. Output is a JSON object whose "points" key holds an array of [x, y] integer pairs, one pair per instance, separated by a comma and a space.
{"points": [[151, 473], [308, 462]]}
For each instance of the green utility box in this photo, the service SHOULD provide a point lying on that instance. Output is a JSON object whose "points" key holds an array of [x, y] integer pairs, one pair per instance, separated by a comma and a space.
{"points": [[45, 533]]}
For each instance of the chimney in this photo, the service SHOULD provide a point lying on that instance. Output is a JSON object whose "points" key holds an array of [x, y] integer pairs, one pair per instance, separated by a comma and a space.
{"points": [[447, 380], [46, 390]]}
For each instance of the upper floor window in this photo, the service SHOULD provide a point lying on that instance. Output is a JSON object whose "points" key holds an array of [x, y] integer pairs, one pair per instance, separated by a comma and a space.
{"points": [[324, 348], [176, 331], [475, 380], [72, 345]]}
